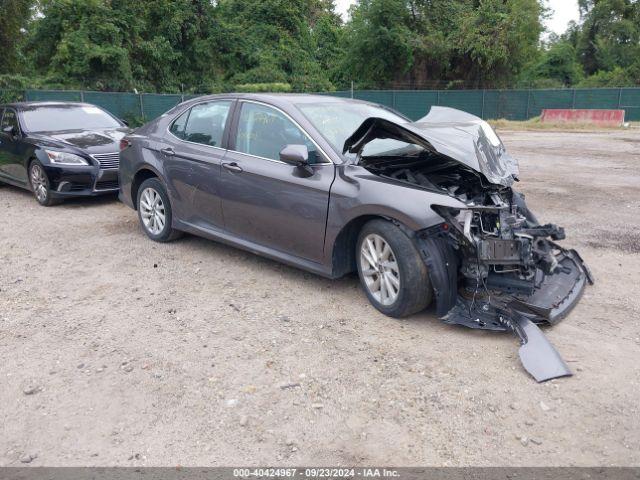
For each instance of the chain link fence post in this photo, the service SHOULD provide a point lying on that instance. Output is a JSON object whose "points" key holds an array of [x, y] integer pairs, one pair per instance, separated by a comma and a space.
{"points": [[619, 97], [141, 107]]}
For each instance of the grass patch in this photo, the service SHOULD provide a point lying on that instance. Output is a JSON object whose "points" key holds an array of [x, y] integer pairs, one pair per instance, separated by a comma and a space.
{"points": [[536, 124]]}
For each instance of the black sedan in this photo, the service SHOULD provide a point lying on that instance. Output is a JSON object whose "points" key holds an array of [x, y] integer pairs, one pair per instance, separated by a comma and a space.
{"points": [[59, 149]]}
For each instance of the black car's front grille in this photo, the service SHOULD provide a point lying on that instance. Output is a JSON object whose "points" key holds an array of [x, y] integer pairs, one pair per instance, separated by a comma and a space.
{"points": [[107, 185], [108, 161]]}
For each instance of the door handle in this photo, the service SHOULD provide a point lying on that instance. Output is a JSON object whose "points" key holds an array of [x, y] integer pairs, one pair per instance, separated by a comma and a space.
{"points": [[232, 167], [168, 151]]}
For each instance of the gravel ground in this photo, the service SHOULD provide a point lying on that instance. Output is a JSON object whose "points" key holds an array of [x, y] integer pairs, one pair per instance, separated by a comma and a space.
{"points": [[119, 351]]}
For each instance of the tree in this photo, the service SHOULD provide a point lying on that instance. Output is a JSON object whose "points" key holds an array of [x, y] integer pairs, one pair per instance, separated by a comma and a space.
{"points": [[558, 63], [272, 41], [610, 35], [14, 15], [302, 45], [495, 39], [79, 42], [479, 43], [379, 41]]}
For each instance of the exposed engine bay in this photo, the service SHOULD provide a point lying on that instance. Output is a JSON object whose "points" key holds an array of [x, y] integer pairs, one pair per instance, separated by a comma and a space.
{"points": [[492, 264]]}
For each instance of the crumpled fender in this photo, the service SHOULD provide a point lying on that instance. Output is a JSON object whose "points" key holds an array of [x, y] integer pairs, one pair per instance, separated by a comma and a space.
{"points": [[442, 266]]}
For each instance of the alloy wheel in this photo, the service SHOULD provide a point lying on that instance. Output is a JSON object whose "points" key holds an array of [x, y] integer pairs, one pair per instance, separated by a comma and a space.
{"points": [[39, 183], [379, 269], [152, 211]]}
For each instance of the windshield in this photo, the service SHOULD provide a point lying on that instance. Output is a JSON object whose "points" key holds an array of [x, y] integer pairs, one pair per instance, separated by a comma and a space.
{"points": [[337, 122], [48, 118]]}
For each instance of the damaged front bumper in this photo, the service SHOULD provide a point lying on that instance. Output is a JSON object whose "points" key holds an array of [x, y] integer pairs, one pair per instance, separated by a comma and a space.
{"points": [[501, 304]]}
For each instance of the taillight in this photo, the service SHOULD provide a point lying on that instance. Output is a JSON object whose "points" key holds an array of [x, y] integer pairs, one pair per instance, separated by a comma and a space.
{"points": [[124, 143]]}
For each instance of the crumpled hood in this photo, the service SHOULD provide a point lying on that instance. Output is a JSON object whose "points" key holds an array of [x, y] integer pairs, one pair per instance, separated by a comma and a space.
{"points": [[458, 135], [90, 141]]}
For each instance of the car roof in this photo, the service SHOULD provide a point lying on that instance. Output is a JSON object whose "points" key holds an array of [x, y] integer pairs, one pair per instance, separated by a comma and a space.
{"points": [[276, 99], [29, 105], [285, 97]]}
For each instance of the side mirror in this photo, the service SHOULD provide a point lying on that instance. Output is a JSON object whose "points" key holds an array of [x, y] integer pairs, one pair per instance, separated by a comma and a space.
{"points": [[296, 155], [125, 122]]}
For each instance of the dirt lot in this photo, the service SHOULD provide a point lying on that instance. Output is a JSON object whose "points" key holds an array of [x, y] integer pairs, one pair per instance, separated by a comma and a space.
{"points": [[119, 351]]}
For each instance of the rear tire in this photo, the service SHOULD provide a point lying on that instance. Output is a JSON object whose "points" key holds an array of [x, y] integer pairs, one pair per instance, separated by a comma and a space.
{"points": [[154, 211], [391, 270], [40, 185]]}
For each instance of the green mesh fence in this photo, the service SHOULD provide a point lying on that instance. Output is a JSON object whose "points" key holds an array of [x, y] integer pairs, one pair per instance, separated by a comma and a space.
{"points": [[122, 105], [155, 105], [53, 95], [488, 104], [509, 104], [630, 101]]}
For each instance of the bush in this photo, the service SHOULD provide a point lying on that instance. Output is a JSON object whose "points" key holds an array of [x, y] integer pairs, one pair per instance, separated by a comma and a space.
{"points": [[14, 82], [263, 87], [618, 77]]}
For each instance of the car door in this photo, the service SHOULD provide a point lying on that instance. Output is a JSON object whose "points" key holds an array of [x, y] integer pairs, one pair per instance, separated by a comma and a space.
{"points": [[192, 157], [266, 200], [11, 148]]}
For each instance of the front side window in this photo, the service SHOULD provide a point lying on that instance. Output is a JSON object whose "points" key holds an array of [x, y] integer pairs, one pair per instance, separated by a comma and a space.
{"points": [[9, 119], [264, 131], [205, 124]]}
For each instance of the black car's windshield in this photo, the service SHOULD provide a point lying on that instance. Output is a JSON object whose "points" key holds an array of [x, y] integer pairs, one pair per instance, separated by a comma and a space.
{"points": [[48, 118], [337, 122]]}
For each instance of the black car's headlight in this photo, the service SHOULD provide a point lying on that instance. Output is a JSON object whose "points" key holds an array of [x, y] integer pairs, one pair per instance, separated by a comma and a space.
{"points": [[64, 158]]}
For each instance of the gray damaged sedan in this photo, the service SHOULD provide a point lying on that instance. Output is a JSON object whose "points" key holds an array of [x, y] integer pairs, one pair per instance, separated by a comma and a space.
{"points": [[424, 211]]}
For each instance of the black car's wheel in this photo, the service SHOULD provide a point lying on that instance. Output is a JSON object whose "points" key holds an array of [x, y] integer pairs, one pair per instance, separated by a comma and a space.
{"points": [[154, 211], [40, 185], [391, 270]]}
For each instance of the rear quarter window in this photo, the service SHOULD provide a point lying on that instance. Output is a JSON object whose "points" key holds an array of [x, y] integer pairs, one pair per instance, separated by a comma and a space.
{"points": [[179, 124]]}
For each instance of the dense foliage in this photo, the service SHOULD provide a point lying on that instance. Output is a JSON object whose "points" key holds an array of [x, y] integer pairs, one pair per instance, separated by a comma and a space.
{"points": [[603, 51], [303, 45]]}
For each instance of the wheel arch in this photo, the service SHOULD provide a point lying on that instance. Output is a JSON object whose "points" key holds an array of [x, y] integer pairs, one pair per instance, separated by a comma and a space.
{"points": [[33, 157], [343, 254], [141, 175]]}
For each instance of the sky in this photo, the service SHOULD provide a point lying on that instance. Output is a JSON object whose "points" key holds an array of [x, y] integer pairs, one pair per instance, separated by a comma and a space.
{"points": [[563, 11]]}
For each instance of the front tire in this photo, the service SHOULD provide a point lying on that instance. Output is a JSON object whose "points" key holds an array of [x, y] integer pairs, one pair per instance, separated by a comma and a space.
{"points": [[40, 186], [154, 211], [391, 270]]}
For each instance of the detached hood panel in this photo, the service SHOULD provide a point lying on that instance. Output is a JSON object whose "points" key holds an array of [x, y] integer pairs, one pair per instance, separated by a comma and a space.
{"points": [[453, 133]]}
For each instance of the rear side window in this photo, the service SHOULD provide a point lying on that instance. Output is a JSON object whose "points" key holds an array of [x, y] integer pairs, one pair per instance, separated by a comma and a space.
{"points": [[177, 127], [206, 123]]}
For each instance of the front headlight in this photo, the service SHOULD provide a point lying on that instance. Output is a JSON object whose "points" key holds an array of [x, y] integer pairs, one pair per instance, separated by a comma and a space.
{"points": [[63, 158]]}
